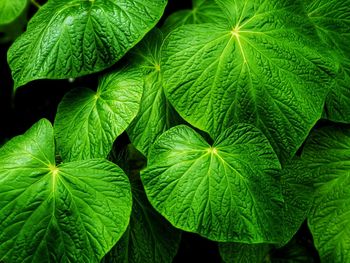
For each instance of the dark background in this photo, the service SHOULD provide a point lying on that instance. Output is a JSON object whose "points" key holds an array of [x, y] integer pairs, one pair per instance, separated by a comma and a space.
{"points": [[39, 99]]}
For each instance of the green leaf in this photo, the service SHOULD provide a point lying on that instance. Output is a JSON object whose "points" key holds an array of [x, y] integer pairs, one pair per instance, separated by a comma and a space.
{"points": [[261, 70], [72, 38], [203, 11], [149, 239], [87, 122], [244, 253], [332, 22], [10, 10], [294, 252], [298, 250], [156, 114], [298, 193], [327, 152], [225, 192], [73, 212]]}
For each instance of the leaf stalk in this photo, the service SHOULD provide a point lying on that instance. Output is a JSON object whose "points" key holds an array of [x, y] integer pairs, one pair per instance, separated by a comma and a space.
{"points": [[35, 3]]}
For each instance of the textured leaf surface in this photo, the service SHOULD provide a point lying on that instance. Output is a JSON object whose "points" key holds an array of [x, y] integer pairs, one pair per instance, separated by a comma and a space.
{"points": [[149, 239], [11, 9], [298, 250], [298, 193], [156, 114], [203, 11], [74, 212], [88, 122], [244, 253], [225, 192], [71, 38], [328, 154], [332, 21], [259, 70]]}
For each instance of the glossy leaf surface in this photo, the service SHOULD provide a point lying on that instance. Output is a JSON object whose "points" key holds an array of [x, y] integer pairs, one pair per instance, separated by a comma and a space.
{"points": [[156, 115], [72, 38], [225, 192], [327, 152], [256, 68], [88, 122], [72, 212]]}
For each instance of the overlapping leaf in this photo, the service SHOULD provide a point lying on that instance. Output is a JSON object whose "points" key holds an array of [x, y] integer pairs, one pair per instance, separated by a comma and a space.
{"points": [[11, 9], [256, 68], [149, 238], [203, 11], [225, 192], [328, 154], [298, 194], [71, 38], [298, 250], [244, 253], [332, 21], [73, 212], [156, 114], [88, 122]]}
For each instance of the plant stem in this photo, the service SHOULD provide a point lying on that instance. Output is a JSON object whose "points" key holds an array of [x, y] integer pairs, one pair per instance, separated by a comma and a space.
{"points": [[34, 2]]}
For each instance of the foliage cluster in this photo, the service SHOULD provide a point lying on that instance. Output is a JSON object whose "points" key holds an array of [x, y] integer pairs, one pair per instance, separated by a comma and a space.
{"points": [[229, 120]]}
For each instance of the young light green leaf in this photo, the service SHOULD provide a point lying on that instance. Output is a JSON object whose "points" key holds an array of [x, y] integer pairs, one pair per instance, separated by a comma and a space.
{"points": [[225, 192], [244, 253], [87, 122], [73, 212], [149, 238], [262, 71], [10, 10], [71, 38], [332, 22], [327, 152], [203, 11], [156, 114]]}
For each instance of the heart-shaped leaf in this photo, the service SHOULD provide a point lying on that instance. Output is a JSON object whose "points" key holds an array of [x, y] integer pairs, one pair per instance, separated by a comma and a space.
{"points": [[71, 38], [256, 68], [225, 192], [72, 212], [87, 122]]}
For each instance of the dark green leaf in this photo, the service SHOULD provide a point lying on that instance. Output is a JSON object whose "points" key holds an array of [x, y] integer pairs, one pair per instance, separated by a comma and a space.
{"points": [[327, 153], [149, 239], [332, 22], [244, 253], [298, 193]]}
